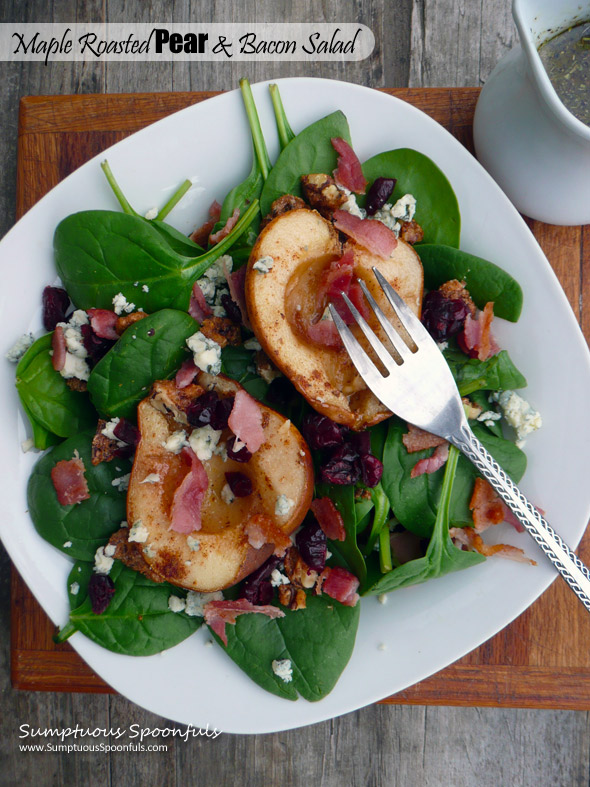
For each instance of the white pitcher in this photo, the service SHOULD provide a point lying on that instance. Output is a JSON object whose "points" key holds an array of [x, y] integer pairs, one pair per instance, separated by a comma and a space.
{"points": [[536, 150]]}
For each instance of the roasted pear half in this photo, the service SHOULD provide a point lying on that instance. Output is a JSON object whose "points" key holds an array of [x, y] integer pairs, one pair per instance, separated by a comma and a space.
{"points": [[219, 554], [300, 245]]}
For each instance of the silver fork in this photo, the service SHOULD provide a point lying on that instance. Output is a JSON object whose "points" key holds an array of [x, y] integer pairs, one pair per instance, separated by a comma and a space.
{"points": [[420, 388]]}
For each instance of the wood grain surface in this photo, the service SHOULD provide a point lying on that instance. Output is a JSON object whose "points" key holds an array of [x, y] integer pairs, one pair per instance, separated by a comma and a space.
{"points": [[419, 43]]}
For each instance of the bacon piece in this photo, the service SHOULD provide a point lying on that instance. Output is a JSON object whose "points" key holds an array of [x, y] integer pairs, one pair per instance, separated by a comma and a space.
{"points": [[431, 463], [102, 322], [373, 235], [417, 439], [69, 481], [186, 374], [218, 613], [59, 347], [226, 229], [245, 421], [488, 508], [348, 173], [329, 518], [236, 282], [466, 536], [185, 515], [198, 307], [340, 584], [261, 530], [201, 235], [476, 339], [325, 333]]}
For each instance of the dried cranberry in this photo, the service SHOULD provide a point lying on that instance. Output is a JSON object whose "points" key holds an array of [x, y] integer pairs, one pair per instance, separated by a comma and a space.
{"points": [[361, 441], [257, 588], [240, 484], [126, 432], [231, 308], [371, 470], [379, 193], [339, 472], [101, 589], [94, 345], [320, 432], [241, 454], [344, 453], [312, 545], [443, 317], [200, 412], [221, 412], [55, 305]]}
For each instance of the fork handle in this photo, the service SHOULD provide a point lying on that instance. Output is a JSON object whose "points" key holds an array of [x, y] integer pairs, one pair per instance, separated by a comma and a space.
{"points": [[569, 565]]}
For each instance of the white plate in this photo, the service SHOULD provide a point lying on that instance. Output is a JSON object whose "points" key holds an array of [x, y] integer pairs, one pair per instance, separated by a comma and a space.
{"points": [[423, 628]]}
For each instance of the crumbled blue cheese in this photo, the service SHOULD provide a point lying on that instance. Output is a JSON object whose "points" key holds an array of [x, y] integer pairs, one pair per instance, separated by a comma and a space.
{"points": [[227, 495], [382, 598], [176, 604], [67, 544], [102, 562], [122, 482], [264, 264], [489, 417], [152, 478], [75, 367], [75, 588], [27, 445], [138, 532], [203, 441], [518, 413], [221, 450], [110, 550], [148, 551], [213, 284], [145, 288], [151, 214], [109, 431], [193, 543], [252, 344], [20, 347], [195, 602], [385, 216], [405, 208], [350, 205], [121, 304], [75, 364], [176, 442], [277, 579], [206, 353], [283, 505], [282, 669]]}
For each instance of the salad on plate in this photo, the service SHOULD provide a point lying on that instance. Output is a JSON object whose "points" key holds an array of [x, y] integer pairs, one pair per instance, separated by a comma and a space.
{"points": [[213, 458]]}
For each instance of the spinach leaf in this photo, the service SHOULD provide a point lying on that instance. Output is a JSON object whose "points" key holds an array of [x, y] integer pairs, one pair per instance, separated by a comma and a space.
{"points": [[347, 551], [48, 402], [415, 500], [150, 349], [317, 640], [495, 374], [286, 133], [99, 253], [484, 280], [87, 524], [137, 622], [178, 242], [442, 556], [480, 398], [42, 438], [437, 209], [310, 151], [238, 363]]}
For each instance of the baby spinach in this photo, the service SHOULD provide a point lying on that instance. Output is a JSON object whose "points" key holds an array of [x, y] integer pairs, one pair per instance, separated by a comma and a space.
{"points": [[137, 622], [150, 349], [484, 280], [480, 398], [495, 374], [347, 551], [42, 438], [238, 363], [99, 253], [88, 524], [318, 641], [442, 556], [51, 406], [286, 133], [437, 209], [310, 151], [415, 500]]}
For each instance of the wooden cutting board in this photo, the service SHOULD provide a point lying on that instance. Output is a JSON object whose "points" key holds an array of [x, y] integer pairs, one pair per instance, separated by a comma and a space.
{"points": [[542, 660]]}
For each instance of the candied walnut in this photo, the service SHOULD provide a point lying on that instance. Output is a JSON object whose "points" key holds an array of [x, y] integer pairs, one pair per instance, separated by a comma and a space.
{"points": [[299, 573], [292, 597], [322, 193], [282, 205], [128, 319], [170, 400], [411, 232], [456, 289], [74, 384], [222, 330], [265, 368], [103, 448], [130, 554]]}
